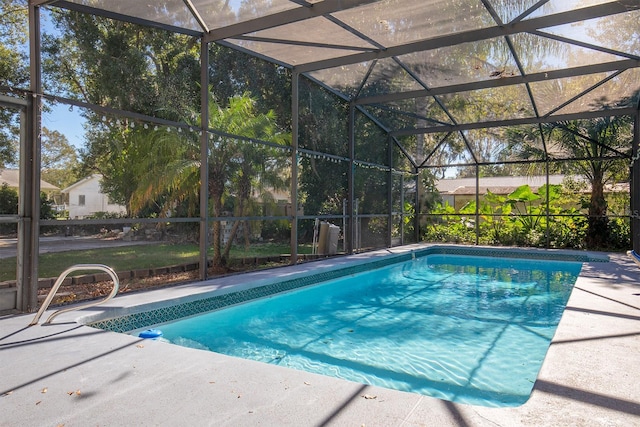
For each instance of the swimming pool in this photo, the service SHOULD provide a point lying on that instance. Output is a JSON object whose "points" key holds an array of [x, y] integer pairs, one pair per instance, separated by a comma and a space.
{"points": [[463, 328]]}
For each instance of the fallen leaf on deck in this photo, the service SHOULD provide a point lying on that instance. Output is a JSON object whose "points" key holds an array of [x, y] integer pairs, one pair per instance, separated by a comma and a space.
{"points": [[44, 390], [369, 396]]}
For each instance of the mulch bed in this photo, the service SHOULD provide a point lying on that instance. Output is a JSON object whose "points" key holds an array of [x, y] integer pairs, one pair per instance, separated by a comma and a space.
{"points": [[75, 292], [81, 292], [72, 293]]}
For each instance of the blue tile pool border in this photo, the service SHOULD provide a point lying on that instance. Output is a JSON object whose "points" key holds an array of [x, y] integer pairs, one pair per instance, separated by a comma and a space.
{"points": [[135, 321]]}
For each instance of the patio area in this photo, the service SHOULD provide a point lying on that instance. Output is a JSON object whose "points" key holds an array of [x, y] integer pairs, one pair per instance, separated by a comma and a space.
{"points": [[70, 374]]}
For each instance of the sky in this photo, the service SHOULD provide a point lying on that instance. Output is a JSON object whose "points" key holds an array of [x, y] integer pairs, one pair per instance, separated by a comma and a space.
{"points": [[68, 123]]}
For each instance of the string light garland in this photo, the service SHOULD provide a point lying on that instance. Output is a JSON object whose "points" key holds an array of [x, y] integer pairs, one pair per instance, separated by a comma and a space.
{"points": [[358, 163]]}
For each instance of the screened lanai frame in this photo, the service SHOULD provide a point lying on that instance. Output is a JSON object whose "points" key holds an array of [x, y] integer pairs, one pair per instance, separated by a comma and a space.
{"points": [[360, 42]]}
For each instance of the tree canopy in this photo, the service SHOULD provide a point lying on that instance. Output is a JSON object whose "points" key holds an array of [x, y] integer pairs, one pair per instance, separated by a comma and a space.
{"points": [[14, 69]]}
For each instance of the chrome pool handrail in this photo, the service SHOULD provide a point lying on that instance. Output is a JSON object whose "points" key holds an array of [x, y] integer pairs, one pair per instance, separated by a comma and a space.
{"points": [[634, 256], [63, 275]]}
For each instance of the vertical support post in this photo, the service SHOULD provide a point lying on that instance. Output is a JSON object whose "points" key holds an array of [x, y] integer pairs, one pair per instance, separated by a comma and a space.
{"points": [[477, 227], [29, 197], [295, 112], [548, 237], [389, 192], [204, 158], [351, 180], [402, 213], [635, 184], [418, 207]]}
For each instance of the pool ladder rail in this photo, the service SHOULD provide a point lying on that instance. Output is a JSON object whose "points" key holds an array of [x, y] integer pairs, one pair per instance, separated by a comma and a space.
{"points": [[634, 256], [63, 275]]}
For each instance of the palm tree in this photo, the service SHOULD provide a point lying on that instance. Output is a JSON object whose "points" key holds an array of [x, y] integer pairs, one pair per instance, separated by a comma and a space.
{"points": [[169, 168], [260, 169], [598, 145]]}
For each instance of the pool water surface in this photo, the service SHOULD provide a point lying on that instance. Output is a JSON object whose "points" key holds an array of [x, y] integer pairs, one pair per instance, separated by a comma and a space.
{"points": [[462, 328]]}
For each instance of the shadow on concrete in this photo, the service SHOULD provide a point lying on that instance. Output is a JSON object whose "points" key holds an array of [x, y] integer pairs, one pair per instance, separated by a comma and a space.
{"points": [[45, 338], [348, 401], [589, 397], [68, 367]]}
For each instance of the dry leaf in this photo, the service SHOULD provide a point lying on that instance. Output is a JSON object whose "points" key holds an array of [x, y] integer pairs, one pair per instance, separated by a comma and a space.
{"points": [[38, 402], [369, 396], [140, 346], [70, 393], [306, 383], [44, 390]]}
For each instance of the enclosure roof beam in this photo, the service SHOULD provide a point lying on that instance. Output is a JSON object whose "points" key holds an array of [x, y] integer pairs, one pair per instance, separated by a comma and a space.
{"points": [[42, 2], [125, 18], [196, 15], [283, 18], [528, 25], [9, 101], [621, 65], [584, 115]]}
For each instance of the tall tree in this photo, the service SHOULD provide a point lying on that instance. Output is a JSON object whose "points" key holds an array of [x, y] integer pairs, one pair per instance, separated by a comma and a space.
{"points": [[148, 71], [14, 71], [324, 129], [122, 66], [599, 145], [59, 159], [261, 170], [168, 163], [594, 140]]}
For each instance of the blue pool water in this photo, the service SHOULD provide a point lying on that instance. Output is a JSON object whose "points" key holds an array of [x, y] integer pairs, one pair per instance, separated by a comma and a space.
{"points": [[462, 328]]}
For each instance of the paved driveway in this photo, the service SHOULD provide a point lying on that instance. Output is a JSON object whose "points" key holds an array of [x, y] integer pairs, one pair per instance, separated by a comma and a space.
{"points": [[8, 247]]}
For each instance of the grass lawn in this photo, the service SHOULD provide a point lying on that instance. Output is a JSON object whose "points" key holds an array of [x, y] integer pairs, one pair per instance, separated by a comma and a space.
{"points": [[136, 257]]}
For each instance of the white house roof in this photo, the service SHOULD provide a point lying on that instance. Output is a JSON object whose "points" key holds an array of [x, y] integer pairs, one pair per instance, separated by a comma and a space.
{"points": [[95, 176], [508, 184], [12, 178], [449, 186]]}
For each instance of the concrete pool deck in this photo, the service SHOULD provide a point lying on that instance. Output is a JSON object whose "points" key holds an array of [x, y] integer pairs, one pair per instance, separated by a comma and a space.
{"points": [[73, 375]]}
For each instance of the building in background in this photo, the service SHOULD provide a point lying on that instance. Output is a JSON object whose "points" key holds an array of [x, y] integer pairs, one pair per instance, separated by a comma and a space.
{"points": [[11, 177], [86, 198]]}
